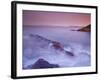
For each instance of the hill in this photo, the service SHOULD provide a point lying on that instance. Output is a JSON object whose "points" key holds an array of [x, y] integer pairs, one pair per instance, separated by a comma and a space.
{"points": [[86, 28]]}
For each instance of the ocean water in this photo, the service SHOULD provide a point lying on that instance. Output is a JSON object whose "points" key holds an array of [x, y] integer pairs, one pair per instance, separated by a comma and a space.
{"points": [[76, 42]]}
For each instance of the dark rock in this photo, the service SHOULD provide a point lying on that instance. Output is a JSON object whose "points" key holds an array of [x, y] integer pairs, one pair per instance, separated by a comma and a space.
{"points": [[58, 45], [86, 28], [41, 63], [70, 53]]}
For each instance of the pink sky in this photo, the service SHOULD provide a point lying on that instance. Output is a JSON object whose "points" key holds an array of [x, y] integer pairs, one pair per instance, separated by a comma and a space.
{"points": [[65, 19]]}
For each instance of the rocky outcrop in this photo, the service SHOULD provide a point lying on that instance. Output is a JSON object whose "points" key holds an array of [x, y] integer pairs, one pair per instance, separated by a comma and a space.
{"points": [[57, 46], [86, 28], [37, 47], [37, 42], [41, 63]]}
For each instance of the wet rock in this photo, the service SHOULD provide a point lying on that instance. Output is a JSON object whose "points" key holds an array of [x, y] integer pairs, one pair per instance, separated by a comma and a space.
{"points": [[69, 53], [41, 63], [57, 46]]}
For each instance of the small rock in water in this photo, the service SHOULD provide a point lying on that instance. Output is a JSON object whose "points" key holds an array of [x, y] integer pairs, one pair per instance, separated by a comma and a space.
{"points": [[69, 53]]}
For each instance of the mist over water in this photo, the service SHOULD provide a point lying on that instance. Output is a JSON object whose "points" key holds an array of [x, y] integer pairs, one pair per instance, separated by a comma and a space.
{"points": [[76, 42]]}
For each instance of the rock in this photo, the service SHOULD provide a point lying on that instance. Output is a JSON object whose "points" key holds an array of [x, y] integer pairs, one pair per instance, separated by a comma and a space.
{"points": [[86, 28], [41, 63], [57, 45], [69, 53], [60, 47], [37, 46]]}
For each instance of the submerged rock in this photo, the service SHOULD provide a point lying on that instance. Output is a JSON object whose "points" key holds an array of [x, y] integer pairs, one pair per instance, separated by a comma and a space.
{"points": [[69, 53], [57, 46], [60, 47]]}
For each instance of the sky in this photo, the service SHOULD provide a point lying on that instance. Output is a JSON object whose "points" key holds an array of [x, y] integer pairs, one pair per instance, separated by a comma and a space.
{"points": [[46, 18]]}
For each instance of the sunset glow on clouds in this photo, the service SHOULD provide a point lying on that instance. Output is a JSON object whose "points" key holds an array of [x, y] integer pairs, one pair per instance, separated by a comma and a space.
{"points": [[44, 18]]}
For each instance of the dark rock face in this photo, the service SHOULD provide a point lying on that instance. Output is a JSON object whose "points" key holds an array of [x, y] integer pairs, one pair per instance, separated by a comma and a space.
{"points": [[86, 28], [41, 63], [69, 53], [57, 45]]}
